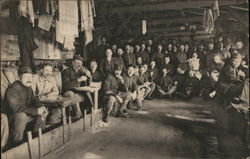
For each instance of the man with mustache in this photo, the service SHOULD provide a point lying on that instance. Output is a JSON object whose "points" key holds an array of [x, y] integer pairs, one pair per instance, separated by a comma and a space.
{"points": [[23, 107], [116, 96], [45, 87]]}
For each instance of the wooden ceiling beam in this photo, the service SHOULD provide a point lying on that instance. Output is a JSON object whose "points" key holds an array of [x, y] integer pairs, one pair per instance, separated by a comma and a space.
{"points": [[239, 8], [174, 20], [172, 6]]}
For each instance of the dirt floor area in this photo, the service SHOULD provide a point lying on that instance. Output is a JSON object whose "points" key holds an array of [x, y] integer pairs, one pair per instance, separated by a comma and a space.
{"points": [[166, 129]]}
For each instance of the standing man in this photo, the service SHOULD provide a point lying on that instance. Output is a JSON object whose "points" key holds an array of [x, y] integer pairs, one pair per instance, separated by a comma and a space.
{"points": [[158, 56], [129, 57], [107, 63], [23, 106]]}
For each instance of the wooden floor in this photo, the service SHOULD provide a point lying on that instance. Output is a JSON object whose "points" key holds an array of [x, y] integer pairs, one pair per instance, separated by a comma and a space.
{"points": [[167, 129]]}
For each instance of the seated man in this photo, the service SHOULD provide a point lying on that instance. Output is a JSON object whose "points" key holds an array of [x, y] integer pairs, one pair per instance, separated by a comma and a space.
{"points": [[70, 80], [144, 83], [190, 86], [238, 114], [45, 88], [165, 85], [130, 83], [96, 76], [113, 95], [23, 106], [230, 82], [208, 85]]}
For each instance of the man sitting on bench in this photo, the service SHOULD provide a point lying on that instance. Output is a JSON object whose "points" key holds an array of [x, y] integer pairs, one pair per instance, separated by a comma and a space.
{"points": [[23, 106]]}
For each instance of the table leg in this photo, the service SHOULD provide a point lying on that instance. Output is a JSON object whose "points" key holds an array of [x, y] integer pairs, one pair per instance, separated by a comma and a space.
{"points": [[96, 100], [64, 123]]}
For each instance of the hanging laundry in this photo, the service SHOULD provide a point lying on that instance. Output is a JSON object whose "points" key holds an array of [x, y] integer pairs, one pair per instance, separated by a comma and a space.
{"points": [[87, 22], [26, 43], [26, 10], [144, 27], [67, 26], [208, 21], [215, 9], [204, 21], [45, 22]]}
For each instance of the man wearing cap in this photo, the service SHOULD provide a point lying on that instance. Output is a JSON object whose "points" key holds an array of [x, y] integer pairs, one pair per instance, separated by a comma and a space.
{"points": [[72, 79], [23, 106], [116, 94]]}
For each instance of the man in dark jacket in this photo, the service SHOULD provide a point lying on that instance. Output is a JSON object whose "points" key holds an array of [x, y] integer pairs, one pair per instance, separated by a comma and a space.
{"points": [[107, 63], [153, 72], [96, 76], [116, 96], [119, 59], [129, 57], [23, 106], [130, 83], [230, 82], [72, 79], [158, 56]]}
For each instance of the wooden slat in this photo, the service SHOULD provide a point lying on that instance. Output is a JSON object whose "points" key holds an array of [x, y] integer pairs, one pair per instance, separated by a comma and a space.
{"points": [[40, 142], [30, 144], [21, 151], [52, 140]]}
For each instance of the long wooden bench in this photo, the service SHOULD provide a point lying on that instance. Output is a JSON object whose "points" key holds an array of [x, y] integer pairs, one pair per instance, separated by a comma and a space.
{"points": [[38, 147]]}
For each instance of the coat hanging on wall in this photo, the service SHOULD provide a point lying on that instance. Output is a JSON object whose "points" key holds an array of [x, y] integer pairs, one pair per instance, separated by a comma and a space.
{"points": [[26, 43]]}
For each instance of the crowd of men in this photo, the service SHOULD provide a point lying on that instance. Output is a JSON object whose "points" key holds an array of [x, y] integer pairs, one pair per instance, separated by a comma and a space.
{"points": [[132, 72]]}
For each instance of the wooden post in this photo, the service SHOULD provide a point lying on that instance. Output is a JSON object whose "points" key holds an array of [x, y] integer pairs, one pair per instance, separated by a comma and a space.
{"points": [[85, 120], [40, 139], [69, 128], [30, 145], [96, 99], [64, 123], [92, 117]]}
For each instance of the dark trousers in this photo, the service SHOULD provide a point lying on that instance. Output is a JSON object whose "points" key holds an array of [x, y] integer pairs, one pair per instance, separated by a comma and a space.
{"points": [[237, 123], [19, 122]]}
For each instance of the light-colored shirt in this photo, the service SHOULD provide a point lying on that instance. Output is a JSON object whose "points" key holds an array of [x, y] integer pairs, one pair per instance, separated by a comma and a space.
{"points": [[46, 87]]}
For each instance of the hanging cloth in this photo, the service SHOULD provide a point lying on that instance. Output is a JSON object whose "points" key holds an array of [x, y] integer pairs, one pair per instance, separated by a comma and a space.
{"points": [[87, 22], [204, 23], [67, 26], [26, 43], [208, 21], [144, 27], [215, 9], [26, 10]]}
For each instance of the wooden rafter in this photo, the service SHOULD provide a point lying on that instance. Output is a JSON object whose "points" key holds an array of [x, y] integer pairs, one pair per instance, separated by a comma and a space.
{"points": [[239, 8], [173, 5]]}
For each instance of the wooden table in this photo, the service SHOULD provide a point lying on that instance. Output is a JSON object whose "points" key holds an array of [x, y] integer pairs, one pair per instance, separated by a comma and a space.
{"points": [[61, 102], [91, 89]]}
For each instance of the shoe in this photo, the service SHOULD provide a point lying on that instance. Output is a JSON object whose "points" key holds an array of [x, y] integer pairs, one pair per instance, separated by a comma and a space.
{"points": [[138, 109], [105, 120], [149, 98], [121, 115]]}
